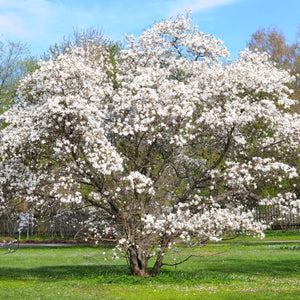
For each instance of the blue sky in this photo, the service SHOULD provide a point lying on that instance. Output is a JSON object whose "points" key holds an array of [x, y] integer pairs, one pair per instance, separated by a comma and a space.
{"points": [[41, 23]]}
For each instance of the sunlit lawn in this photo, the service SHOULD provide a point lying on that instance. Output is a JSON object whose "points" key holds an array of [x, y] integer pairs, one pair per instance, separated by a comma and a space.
{"points": [[239, 271]]}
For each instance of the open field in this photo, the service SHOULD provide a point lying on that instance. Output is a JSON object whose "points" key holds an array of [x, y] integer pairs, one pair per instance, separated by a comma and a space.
{"points": [[239, 271]]}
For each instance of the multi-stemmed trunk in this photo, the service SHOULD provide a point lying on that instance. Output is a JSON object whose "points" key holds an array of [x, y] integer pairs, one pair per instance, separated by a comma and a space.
{"points": [[138, 261]]}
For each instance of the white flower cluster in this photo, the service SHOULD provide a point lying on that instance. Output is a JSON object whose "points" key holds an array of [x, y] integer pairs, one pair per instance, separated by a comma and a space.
{"points": [[247, 175], [286, 205], [16, 182], [140, 182], [208, 224]]}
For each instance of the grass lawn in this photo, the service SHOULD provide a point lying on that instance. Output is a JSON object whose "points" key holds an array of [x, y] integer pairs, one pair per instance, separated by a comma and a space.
{"points": [[239, 271], [272, 236]]}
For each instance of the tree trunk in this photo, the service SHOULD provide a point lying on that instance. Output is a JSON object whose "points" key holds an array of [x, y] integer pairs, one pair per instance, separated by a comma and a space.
{"points": [[138, 262], [158, 264]]}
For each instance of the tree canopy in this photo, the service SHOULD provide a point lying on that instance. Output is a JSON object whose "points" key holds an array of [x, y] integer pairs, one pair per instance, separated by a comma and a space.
{"points": [[162, 142]]}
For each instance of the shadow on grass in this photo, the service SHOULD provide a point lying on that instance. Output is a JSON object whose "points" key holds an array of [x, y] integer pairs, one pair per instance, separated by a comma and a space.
{"points": [[215, 271], [65, 272], [282, 267]]}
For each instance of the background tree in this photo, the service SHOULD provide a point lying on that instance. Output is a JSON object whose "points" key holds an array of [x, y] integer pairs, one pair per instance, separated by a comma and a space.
{"points": [[162, 142], [76, 39], [80, 38], [286, 56], [15, 63]]}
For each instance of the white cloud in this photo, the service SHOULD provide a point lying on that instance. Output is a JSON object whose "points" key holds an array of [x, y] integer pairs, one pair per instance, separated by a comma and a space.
{"points": [[23, 19], [41, 23], [11, 23], [178, 6], [23, 7]]}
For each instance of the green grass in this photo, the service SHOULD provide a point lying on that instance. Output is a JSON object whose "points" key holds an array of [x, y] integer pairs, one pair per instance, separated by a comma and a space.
{"points": [[272, 236], [239, 271], [280, 235]]}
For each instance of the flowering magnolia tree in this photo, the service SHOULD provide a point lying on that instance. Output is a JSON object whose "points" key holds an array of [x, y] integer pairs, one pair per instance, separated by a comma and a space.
{"points": [[167, 140]]}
